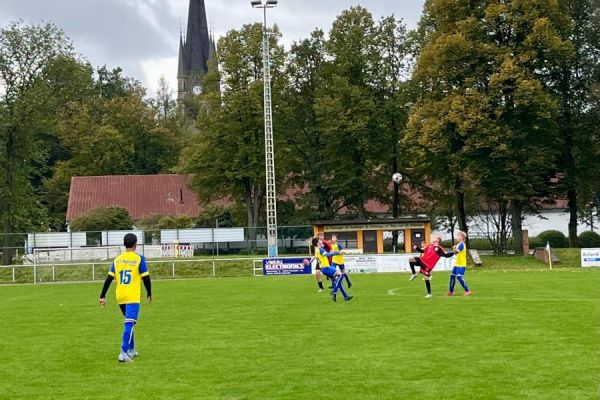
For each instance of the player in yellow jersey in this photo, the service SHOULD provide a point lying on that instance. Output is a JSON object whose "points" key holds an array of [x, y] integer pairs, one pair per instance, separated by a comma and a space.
{"points": [[129, 269], [339, 260], [458, 272]]}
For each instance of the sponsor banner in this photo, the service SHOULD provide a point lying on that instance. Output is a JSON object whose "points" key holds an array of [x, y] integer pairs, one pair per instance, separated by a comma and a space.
{"points": [[353, 251], [590, 257], [285, 266], [388, 263]]}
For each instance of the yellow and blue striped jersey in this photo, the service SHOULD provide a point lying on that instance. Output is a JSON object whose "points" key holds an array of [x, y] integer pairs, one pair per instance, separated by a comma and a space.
{"points": [[339, 259], [128, 269], [461, 255], [320, 254]]}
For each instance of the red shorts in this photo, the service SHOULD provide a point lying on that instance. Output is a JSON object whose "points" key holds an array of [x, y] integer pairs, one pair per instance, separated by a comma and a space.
{"points": [[426, 271]]}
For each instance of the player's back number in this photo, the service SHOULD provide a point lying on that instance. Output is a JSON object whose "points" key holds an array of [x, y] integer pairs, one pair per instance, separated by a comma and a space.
{"points": [[125, 276]]}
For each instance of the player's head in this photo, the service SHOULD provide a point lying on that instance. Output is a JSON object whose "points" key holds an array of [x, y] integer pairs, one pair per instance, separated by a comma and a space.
{"points": [[461, 236], [315, 241], [130, 241], [436, 239], [333, 238], [321, 235]]}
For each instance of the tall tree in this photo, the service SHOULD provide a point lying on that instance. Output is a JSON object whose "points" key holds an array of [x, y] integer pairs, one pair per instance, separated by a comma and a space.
{"points": [[485, 105], [305, 71], [393, 97], [571, 79], [227, 157], [346, 111], [26, 51]]}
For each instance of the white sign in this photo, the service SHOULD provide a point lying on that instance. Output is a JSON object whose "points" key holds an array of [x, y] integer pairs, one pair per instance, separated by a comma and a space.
{"points": [[590, 257]]}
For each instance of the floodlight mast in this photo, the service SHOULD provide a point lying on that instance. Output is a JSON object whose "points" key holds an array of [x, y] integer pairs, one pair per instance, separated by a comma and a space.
{"points": [[269, 147]]}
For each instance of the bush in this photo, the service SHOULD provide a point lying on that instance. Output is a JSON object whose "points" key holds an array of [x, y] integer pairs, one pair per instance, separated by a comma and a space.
{"points": [[589, 239], [556, 238], [156, 222], [103, 219], [535, 241]]}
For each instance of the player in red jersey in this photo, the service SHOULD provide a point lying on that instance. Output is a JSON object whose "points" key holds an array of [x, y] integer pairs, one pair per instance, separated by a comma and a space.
{"points": [[427, 261]]}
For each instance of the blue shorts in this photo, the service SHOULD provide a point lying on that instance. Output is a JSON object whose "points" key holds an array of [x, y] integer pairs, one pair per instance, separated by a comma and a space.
{"points": [[342, 267], [328, 271], [459, 271], [131, 311]]}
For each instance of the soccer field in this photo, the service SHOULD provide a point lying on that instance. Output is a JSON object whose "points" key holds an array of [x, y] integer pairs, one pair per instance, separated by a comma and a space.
{"points": [[523, 335]]}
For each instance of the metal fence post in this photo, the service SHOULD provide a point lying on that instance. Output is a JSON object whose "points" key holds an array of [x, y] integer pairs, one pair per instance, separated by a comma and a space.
{"points": [[93, 272], [173, 261], [13, 274], [214, 271], [52, 272]]}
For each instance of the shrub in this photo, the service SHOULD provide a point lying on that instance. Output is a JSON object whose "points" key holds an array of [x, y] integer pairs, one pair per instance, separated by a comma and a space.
{"points": [[156, 222], [103, 219], [556, 238], [589, 239], [535, 241]]}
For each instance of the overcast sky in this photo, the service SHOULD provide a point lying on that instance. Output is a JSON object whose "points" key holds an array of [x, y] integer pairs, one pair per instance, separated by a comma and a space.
{"points": [[141, 36]]}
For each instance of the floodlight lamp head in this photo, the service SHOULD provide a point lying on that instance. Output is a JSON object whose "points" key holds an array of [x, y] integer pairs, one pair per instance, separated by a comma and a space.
{"points": [[271, 3], [256, 3]]}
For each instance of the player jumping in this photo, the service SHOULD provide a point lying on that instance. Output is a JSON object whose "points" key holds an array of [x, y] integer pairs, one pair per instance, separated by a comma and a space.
{"points": [[331, 272], [431, 255], [129, 269], [458, 272]]}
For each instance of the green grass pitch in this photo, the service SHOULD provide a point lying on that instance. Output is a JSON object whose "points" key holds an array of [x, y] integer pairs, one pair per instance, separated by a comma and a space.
{"points": [[523, 335]]}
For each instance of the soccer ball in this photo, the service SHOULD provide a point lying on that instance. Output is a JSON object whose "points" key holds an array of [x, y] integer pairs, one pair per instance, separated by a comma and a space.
{"points": [[397, 177]]}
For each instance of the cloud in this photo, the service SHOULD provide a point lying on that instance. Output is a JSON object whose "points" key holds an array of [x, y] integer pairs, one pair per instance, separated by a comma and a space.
{"points": [[141, 36]]}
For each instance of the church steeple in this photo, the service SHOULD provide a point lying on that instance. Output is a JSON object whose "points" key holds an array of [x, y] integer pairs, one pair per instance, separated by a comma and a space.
{"points": [[182, 75], [195, 50], [197, 40]]}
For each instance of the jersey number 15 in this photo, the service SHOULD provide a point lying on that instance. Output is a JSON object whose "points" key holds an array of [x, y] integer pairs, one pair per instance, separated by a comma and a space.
{"points": [[125, 276]]}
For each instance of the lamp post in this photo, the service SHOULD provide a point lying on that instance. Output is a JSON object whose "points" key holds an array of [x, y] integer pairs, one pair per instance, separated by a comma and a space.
{"points": [[269, 150]]}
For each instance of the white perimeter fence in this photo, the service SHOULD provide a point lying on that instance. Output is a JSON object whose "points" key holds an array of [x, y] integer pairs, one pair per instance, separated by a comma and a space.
{"points": [[161, 269]]}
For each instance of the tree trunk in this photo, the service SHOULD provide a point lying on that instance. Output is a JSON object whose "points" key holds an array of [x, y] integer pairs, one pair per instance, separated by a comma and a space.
{"points": [[461, 214], [396, 200], [516, 212], [572, 197]]}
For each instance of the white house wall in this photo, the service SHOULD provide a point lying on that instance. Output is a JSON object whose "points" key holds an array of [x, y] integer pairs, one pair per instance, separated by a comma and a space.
{"points": [[547, 220]]}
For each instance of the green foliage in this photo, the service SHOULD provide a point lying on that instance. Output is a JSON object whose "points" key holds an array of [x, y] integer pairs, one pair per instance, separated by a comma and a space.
{"points": [[103, 219], [556, 238], [157, 222], [589, 239], [227, 158]]}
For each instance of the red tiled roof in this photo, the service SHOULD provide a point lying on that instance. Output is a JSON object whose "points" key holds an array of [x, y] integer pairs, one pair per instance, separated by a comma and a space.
{"points": [[141, 195]]}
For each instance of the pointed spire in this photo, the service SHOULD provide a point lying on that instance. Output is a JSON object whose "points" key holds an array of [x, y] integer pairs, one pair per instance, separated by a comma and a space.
{"points": [[197, 43], [181, 64]]}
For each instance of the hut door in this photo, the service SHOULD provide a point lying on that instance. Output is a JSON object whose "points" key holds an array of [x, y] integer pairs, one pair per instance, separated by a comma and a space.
{"points": [[370, 241]]}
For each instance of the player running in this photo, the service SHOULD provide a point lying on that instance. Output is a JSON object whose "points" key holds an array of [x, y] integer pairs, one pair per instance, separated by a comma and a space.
{"points": [[339, 261], [458, 272], [431, 255], [331, 272], [129, 269]]}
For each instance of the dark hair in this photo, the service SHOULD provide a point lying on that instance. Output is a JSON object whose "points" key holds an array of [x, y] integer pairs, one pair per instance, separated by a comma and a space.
{"points": [[129, 241], [315, 241]]}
